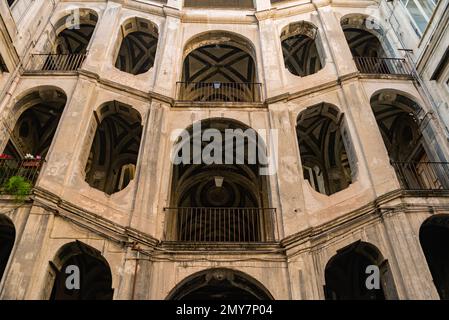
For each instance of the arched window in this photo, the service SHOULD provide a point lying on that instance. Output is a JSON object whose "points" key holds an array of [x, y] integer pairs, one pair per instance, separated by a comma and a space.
{"points": [[220, 284], [219, 66], [434, 238], [347, 273], [7, 239], [299, 47], [80, 260], [139, 39], [115, 149], [323, 143]]}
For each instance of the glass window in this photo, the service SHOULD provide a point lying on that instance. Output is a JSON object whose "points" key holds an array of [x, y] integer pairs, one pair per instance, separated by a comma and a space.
{"points": [[420, 11]]}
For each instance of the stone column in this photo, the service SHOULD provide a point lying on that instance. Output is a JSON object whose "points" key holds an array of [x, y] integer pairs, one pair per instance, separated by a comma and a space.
{"points": [[171, 55], [69, 139]]}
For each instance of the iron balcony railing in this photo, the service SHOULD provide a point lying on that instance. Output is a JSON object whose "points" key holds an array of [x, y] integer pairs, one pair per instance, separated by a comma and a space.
{"points": [[222, 225], [56, 62], [28, 169], [386, 66], [219, 91], [423, 175]]}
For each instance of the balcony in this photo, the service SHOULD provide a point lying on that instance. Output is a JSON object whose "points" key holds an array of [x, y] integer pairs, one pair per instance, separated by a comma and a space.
{"points": [[55, 62], [27, 169], [222, 225], [423, 175], [383, 66], [219, 92]]}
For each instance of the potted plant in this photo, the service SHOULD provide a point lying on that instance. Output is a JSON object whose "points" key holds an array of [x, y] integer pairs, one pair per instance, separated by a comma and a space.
{"points": [[18, 187]]}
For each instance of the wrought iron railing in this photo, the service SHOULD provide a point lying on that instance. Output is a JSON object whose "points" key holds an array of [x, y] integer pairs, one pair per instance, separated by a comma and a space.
{"points": [[219, 91], [28, 169], [55, 62], [229, 225], [423, 175], [387, 66]]}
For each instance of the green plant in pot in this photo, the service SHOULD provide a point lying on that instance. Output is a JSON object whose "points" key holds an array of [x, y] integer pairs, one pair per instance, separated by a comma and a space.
{"points": [[18, 187]]}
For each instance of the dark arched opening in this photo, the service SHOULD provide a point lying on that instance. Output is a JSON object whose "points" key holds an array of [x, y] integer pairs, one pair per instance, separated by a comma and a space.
{"points": [[36, 117], [434, 239], [399, 124], [139, 38], [323, 144], [219, 188], [95, 281], [219, 66], [112, 161], [220, 284], [299, 47], [346, 274], [7, 239]]}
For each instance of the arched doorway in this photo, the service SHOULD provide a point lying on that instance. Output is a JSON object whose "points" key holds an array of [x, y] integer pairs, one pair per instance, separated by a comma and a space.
{"points": [[7, 239], [434, 239], [346, 274], [220, 284], [219, 188], [137, 51], [219, 66], [300, 50], [94, 271], [323, 143]]}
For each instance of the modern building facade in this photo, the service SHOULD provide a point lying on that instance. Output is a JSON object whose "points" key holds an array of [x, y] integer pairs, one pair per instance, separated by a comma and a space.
{"points": [[344, 102]]}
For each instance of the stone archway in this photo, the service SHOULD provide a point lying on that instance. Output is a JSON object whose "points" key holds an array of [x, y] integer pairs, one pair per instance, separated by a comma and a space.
{"points": [[220, 284], [94, 271]]}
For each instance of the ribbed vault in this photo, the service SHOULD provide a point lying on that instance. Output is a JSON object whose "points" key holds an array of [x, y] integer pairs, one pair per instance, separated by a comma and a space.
{"points": [[323, 153], [137, 53]]}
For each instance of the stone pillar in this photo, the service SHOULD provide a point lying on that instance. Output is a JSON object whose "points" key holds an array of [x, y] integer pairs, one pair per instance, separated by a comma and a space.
{"points": [[69, 139], [171, 55], [289, 175], [102, 41], [262, 5], [28, 249], [272, 57], [341, 54], [366, 137]]}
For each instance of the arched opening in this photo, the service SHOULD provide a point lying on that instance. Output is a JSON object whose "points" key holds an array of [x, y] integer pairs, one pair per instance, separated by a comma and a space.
{"points": [[323, 145], [95, 278], [68, 49], [219, 190], [36, 118], [347, 275], [434, 239], [220, 284], [112, 161], [7, 239], [219, 66], [398, 122], [370, 48], [299, 47], [139, 38]]}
